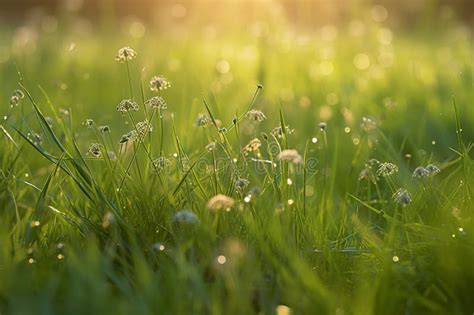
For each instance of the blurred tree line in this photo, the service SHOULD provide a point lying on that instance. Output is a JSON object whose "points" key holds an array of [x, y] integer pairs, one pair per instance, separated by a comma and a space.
{"points": [[306, 13]]}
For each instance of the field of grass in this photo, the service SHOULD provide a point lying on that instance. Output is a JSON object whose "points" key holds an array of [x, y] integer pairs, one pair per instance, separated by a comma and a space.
{"points": [[282, 171]]}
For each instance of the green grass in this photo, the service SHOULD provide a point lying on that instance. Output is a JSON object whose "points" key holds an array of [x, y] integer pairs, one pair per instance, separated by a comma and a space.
{"points": [[85, 234]]}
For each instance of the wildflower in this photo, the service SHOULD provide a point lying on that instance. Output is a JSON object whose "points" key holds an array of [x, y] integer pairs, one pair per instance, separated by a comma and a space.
{"points": [[220, 202], [368, 173], [185, 216], [158, 83], [156, 102], [125, 53], [420, 172], [402, 197], [255, 115], [126, 137], [241, 183], [127, 106], [95, 150], [387, 169], [108, 219], [278, 131], [142, 128], [252, 146], [368, 124], [203, 120], [89, 123], [104, 129], [211, 146], [432, 169], [160, 163], [322, 126], [291, 156], [17, 96]]}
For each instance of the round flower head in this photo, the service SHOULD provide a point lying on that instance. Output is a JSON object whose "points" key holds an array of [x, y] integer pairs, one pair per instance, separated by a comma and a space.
{"points": [[432, 169], [420, 172], [89, 123], [322, 126], [158, 83], [386, 169], [95, 150], [278, 131], [291, 156], [142, 128], [220, 202], [104, 129], [160, 163], [185, 216], [126, 106], [202, 120], [368, 124], [240, 184], [402, 197], [156, 102], [252, 146], [17, 96], [255, 115], [125, 53]]}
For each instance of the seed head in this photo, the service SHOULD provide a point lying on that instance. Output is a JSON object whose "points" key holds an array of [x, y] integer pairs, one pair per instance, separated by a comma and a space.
{"points": [[240, 184], [368, 124], [402, 197], [291, 156], [127, 106], [16, 97], [125, 53], [89, 123], [94, 149], [160, 163], [420, 172], [159, 83], [220, 202], [322, 126], [252, 146], [142, 128], [104, 129], [386, 169], [185, 216], [278, 131], [432, 169], [255, 115], [156, 102], [203, 120]]}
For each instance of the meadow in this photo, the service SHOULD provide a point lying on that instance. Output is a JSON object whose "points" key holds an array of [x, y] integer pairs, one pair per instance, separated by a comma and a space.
{"points": [[256, 168]]}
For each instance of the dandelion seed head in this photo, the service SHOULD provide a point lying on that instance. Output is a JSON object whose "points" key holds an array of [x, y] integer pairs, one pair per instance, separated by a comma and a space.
{"points": [[387, 169], [185, 216], [241, 183], [126, 106], [125, 53], [108, 220], [252, 146], [159, 164], [104, 129], [203, 120], [432, 169], [255, 115], [156, 102], [159, 83], [402, 197], [420, 172], [220, 202], [291, 156], [94, 150]]}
